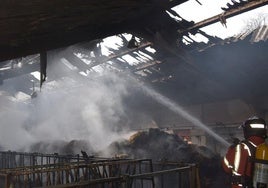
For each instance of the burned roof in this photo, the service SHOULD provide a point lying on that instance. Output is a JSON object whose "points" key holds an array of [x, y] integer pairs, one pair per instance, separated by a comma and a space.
{"points": [[192, 74], [29, 27]]}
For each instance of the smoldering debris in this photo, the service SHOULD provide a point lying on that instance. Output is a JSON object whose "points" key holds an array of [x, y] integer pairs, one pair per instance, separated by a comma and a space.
{"points": [[159, 145], [155, 144]]}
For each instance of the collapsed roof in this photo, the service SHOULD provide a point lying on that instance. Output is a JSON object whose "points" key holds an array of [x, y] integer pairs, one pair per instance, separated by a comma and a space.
{"points": [[29, 27], [192, 74]]}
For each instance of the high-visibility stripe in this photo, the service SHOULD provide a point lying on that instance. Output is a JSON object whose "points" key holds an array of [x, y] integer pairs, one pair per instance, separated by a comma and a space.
{"points": [[247, 148], [226, 162], [236, 173], [257, 126], [252, 144], [237, 157]]}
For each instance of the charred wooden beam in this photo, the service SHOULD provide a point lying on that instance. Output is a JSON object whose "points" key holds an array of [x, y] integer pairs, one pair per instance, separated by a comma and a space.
{"points": [[43, 67], [29, 27], [141, 46], [227, 14], [147, 65], [74, 60]]}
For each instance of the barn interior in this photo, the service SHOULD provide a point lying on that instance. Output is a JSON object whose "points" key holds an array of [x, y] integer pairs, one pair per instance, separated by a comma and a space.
{"points": [[123, 93]]}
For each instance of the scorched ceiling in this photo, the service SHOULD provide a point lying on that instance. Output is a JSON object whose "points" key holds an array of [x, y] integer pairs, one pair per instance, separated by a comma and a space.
{"points": [[192, 74]]}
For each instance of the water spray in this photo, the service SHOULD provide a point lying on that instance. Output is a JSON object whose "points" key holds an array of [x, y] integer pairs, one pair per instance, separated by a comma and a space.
{"points": [[179, 110]]}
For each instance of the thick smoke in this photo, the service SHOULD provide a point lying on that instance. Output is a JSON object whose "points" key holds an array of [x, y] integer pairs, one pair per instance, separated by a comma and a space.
{"points": [[89, 110], [13, 135]]}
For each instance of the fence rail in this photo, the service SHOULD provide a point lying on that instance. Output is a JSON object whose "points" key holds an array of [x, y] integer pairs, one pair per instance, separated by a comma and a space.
{"points": [[81, 172]]}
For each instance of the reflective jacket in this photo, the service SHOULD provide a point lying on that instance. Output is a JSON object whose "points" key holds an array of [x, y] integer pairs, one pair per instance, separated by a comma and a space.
{"points": [[238, 162]]}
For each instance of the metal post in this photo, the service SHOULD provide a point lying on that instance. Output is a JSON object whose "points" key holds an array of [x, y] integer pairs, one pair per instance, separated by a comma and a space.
{"points": [[7, 181]]}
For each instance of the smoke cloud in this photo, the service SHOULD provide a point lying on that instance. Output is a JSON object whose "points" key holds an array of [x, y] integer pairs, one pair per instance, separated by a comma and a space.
{"points": [[74, 107]]}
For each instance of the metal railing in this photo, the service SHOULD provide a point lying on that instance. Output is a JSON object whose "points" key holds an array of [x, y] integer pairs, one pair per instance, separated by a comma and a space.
{"points": [[95, 173], [11, 159]]}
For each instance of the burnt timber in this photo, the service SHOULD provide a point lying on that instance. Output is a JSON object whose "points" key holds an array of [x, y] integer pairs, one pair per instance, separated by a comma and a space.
{"points": [[29, 27], [33, 27]]}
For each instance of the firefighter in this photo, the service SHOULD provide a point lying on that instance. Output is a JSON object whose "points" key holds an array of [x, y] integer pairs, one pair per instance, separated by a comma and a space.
{"points": [[238, 161]]}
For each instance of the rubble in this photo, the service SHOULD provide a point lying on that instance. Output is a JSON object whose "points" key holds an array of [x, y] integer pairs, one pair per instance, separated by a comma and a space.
{"points": [[162, 146]]}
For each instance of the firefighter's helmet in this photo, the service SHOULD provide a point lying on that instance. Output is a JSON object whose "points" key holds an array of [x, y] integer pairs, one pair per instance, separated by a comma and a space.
{"points": [[254, 127]]}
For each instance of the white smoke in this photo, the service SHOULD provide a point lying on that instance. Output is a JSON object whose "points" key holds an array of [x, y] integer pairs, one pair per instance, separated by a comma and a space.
{"points": [[12, 133], [75, 108]]}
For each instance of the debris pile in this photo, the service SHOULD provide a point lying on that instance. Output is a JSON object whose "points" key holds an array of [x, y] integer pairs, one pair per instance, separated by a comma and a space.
{"points": [[153, 144], [162, 146]]}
